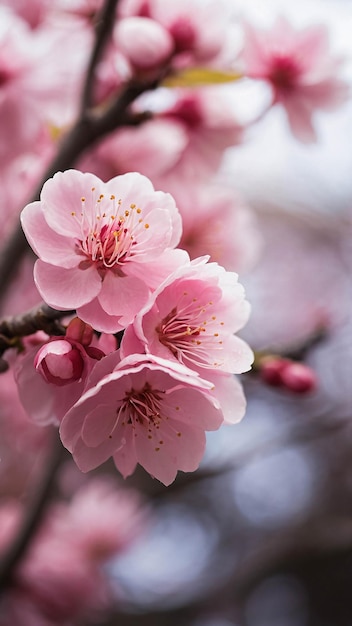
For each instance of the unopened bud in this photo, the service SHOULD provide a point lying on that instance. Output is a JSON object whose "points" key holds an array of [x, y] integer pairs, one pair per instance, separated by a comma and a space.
{"points": [[145, 43], [299, 378], [271, 368], [59, 362]]}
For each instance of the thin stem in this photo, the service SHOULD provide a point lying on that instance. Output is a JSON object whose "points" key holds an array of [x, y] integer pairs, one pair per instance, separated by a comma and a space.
{"points": [[33, 518], [103, 30]]}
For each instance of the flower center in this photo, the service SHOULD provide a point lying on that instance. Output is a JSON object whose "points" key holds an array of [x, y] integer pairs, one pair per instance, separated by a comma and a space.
{"points": [[140, 407], [284, 73], [191, 332], [109, 234], [143, 406]]}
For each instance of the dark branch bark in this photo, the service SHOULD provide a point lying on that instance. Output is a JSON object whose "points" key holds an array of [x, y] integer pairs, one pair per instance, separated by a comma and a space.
{"points": [[103, 30]]}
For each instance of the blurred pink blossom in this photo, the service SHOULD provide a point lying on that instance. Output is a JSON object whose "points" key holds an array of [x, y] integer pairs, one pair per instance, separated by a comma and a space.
{"points": [[300, 68], [217, 222], [60, 579], [145, 43], [199, 124]]}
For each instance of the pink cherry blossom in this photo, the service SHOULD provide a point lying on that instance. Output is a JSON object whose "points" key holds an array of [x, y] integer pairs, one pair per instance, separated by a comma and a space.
{"points": [[60, 578], [192, 318], [300, 68], [101, 520], [201, 124], [102, 247], [153, 412], [233, 240]]}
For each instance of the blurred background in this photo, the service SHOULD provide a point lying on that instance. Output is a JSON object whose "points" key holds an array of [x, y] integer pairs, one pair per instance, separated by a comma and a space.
{"points": [[261, 534]]}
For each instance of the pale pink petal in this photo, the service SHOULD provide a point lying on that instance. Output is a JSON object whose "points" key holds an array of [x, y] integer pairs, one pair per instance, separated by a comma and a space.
{"points": [[123, 296], [167, 451], [98, 426], [190, 406], [46, 243], [88, 459], [94, 314], [125, 458], [64, 288], [238, 356], [61, 196], [229, 393], [299, 113], [159, 269], [32, 386], [131, 344], [132, 187]]}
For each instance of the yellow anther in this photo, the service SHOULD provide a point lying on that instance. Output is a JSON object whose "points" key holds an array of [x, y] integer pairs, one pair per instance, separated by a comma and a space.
{"points": [[146, 225]]}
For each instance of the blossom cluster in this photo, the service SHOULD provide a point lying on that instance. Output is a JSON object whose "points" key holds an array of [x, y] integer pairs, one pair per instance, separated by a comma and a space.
{"points": [[108, 251]]}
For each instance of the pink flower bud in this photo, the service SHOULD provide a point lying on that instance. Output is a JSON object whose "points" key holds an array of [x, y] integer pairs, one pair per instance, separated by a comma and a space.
{"points": [[59, 362], [271, 368], [298, 377], [145, 43]]}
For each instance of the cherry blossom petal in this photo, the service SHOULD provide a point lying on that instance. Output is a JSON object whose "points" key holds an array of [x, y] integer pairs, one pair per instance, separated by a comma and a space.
{"points": [[123, 296], [61, 196], [229, 393], [46, 243], [94, 314], [64, 288]]}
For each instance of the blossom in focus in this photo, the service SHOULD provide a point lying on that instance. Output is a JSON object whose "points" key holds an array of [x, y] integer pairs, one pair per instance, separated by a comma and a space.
{"points": [[145, 410], [300, 68], [102, 247], [192, 318]]}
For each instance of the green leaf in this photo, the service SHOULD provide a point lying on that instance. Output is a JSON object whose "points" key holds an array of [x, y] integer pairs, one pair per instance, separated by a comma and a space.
{"points": [[200, 76]]}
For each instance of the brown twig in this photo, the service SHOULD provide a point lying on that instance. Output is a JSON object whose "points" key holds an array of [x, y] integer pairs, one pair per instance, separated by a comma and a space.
{"points": [[104, 27]]}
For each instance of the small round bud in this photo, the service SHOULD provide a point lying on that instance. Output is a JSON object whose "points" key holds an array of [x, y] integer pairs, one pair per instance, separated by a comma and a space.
{"points": [[59, 362], [145, 43], [299, 378], [271, 368]]}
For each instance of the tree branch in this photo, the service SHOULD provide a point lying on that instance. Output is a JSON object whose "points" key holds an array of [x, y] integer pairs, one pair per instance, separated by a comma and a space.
{"points": [[103, 30]]}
